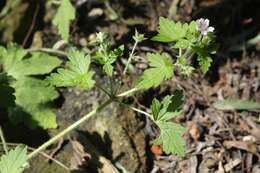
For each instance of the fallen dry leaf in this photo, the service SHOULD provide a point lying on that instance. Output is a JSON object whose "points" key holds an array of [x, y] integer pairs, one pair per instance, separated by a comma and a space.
{"points": [[156, 150], [230, 165], [195, 131], [243, 145]]}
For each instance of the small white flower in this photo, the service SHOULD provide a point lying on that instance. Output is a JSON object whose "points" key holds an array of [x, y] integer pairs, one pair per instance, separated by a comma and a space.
{"points": [[203, 26], [100, 37]]}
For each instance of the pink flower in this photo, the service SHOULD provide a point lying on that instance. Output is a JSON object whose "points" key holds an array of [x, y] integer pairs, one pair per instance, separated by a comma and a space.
{"points": [[203, 26]]}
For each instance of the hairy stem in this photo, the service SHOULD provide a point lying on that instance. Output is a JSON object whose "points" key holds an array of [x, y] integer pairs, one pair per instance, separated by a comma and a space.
{"points": [[48, 50], [128, 92], [111, 85], [130, 57], [137, 110], [180, 52], [103, 89], [3, 140], [68, 129]]}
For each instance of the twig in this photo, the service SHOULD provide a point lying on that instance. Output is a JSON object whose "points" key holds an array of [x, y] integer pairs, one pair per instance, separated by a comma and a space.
{"points": [[32, 25], [57, 148]]}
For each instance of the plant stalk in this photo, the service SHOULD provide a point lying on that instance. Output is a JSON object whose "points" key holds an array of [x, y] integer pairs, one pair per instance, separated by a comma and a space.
{"points": [[3, 140], [49, 50], [130, 57], [126, 93], [137, 110], [68, 129]]}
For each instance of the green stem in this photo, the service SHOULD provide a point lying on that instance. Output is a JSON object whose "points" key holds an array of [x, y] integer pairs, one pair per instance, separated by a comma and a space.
{"points": [[48, 50], [68, 129], [126, 93], [130, 57], [180, 52], [111, 85], [136, 110], [3, 141], [103, 89]]}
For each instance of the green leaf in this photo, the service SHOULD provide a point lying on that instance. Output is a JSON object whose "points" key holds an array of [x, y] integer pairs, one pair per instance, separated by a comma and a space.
{"points": [[203, 51], [63, 17], [32, 95], [138, 37], [7, 97], [183, 66], [171, 137], [36, 116], [170, 31], [77, 74], [177, 100], [203, 58], [182, 43], [34, 112], [161, 69], [108, 69], [236, 104], [38, 64], [104, 55], [28, 87], [169, 108], [14, 161], [193, 27], [11, 55], [204, 62], [16, 64], [170, 133], [115, 53], [156, 107]]}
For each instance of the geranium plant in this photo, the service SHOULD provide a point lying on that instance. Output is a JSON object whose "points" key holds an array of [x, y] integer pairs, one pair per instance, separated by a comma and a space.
{"points": [[194, 39]]}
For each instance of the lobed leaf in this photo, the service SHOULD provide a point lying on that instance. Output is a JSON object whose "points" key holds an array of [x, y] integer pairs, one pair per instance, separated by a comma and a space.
{"points": [[77, 74], [14, 161], [34, 112], [170, 31], [171, 137], [65, 14], [7, 97], [11, 55], [203, 58], [37, 64], [161, 69], [106, 57], [32, 95], [170, 133]]}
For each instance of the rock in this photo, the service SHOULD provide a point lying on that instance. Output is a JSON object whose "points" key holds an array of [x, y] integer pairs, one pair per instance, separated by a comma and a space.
{"points": [[116, 133]]}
